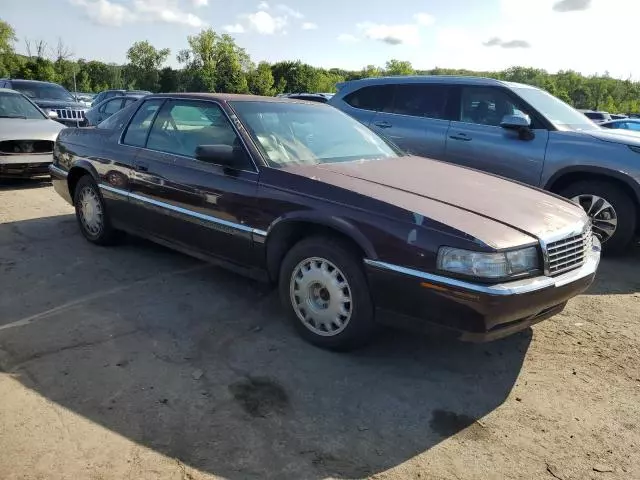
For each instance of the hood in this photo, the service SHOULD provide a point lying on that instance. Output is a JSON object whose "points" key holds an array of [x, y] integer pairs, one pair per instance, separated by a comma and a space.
{"points": [[21, 129], [625, 137], [43, 103], [496, 211]]}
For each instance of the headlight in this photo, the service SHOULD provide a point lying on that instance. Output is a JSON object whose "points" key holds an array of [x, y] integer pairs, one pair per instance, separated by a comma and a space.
{"points": [[488, 265]]}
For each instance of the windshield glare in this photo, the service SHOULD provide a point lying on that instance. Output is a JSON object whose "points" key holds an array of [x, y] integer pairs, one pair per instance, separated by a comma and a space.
{"points": [[13, 105], [43, 91], [561, 115], [301, 134]]}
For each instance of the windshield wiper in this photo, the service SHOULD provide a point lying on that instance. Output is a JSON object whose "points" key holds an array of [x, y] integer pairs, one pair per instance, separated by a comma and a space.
{"points": [[13, 116]]}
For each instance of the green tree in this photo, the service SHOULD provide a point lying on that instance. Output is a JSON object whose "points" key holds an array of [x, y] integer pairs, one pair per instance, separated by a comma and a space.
{"points": [[398, 67], [37, 69], [7, 55], [232, 64], [199, 59], [169, 80], [144, 62], [261, 81]]}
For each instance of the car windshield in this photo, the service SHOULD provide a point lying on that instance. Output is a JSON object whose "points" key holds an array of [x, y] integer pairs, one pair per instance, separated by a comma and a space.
{"points": [[43, 91], [561, 115], [13, 105], [301, 134]]}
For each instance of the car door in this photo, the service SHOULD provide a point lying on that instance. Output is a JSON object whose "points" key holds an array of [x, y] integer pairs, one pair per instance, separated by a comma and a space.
{"points": [[477, 140], [416, 120], [198, 205]]}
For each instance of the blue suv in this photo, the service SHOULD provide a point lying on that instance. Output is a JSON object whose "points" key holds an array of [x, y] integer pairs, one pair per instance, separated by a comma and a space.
{"points": [[512, 130]]}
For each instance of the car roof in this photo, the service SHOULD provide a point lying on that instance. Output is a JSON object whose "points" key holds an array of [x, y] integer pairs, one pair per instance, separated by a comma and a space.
{"points": [[227, 97], [454, 79], [40, 82]]}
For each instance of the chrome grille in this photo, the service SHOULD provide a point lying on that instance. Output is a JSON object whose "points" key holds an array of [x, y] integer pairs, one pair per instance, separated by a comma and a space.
{"points": [[568, 253], [69, 114]]}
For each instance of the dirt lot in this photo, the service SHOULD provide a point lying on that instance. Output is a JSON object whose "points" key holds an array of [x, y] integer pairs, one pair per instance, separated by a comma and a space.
{"points": [[137, 362]]}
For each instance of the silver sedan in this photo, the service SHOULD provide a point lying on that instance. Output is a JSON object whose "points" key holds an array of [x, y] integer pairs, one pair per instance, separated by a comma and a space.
{"points": [[27, 137]]}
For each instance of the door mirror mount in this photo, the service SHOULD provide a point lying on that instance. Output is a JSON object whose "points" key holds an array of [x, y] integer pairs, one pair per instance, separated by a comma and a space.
{"points": [[52, 114], [224, 155]]}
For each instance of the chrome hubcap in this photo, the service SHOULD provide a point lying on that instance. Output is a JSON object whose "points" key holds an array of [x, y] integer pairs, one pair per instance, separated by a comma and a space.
{"points": [[321, 296], [91, 213], [604, 219]]}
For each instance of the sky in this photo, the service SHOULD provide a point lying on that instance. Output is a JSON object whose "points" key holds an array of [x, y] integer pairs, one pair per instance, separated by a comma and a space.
{"points": [[590, 36]]}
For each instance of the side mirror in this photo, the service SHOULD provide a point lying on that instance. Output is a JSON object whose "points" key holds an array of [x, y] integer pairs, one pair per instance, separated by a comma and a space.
{"points": [[520, 124], [224, 155], [52, 114], [515, 122]]}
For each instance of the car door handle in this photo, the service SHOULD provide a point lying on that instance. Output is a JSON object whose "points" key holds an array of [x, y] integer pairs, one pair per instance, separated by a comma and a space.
{"points": [[142, 167], [382, 124], [460, 136]]}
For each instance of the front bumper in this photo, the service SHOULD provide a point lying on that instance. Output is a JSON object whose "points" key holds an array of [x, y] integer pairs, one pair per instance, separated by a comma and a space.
{"points": [[25, 166], [470, 311]]}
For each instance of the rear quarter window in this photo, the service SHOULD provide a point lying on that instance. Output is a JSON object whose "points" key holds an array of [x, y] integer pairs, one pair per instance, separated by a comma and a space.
{"points": [[374, 98]]}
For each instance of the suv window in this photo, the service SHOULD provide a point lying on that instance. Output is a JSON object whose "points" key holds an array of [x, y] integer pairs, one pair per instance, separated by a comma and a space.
{"points": [[181, 126], [141, 122], [118, 120], [375, 97], [111, 106], [421, 100], [487, 106]]}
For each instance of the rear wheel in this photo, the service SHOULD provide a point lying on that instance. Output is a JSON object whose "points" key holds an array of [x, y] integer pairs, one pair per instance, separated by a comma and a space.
{"points": [[91, 213], [613, 214], [324, 288]]}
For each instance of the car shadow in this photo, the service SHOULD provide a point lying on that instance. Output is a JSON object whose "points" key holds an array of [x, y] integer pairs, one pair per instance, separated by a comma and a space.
{"points": [[618, 274], [23, 184], [198, 364]]}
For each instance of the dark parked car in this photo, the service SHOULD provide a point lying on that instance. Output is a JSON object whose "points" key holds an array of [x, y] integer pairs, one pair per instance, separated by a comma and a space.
{"points": [[597, 117], [105, 94], [108, 107], [55, 100], [309, 97], [513, 130], [353, 231]]}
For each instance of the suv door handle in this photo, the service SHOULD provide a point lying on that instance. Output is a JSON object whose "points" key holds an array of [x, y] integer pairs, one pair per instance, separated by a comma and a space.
{"points": [[460, 136], [382, 124], [142, 167]]}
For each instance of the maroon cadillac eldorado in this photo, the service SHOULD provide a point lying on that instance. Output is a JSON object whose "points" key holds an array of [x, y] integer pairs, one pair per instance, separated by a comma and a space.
{"points": [[353, 231]]}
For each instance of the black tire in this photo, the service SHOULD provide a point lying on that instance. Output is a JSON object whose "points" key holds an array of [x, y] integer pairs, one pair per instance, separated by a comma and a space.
{"points": [[106, 235], [624, 206], [361, 326]]}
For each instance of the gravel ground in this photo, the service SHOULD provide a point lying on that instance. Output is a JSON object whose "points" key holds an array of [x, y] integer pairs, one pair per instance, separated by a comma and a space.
{"points": [[138, 362]]}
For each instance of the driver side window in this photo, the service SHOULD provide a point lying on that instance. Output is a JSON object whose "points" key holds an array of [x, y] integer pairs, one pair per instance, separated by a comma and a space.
{"points": [[486, 106], [182, 125]]}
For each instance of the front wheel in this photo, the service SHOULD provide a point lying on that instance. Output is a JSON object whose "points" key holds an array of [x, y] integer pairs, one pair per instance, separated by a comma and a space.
{"points": [[323, 286], [91, 213], [613, 214]]}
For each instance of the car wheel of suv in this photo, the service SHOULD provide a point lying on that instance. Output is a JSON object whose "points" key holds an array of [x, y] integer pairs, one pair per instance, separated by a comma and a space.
{"points": [[613, 214], [323, 286], [91, 213]]}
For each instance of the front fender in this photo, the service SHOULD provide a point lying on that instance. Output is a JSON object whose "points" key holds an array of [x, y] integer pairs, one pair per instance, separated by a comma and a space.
{"points": [[339, 224]]}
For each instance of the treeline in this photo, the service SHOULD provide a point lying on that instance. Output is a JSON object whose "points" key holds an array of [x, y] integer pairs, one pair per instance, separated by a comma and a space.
{"points": [[215, 63]]}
